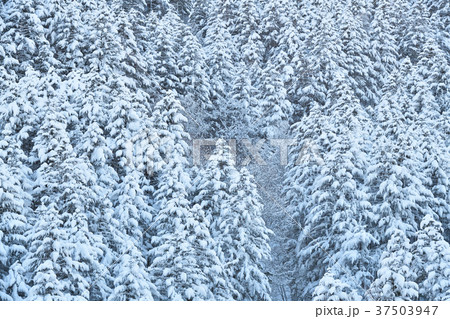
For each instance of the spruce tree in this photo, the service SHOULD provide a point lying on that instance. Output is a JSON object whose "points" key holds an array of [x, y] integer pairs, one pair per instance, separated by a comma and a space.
{"points": [[338, 203], [132, 280], [244, 240], [417, 31], [431, 258], [241, 107], [275, 105], [166, 48], [14, 287], [232, 205], [357, 62], [184, 266], [199, 17], [63, 249], [395, 278], [133, 215], [195, 83], [24, 34], [384, 46], [324, 62], [249, 41], [333, 289], [13, 224], [219, 58], [400, 197]]}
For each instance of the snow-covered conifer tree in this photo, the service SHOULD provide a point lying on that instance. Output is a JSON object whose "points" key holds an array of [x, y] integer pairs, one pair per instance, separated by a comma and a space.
{"points": [[384, 45], [194, 80], [232, 205], [13, 224], [184, 265], [63, 249], [244, 240], [357, 62], [395, 278], [333, 289], [431, 261], [249, 41], [275, 106]]}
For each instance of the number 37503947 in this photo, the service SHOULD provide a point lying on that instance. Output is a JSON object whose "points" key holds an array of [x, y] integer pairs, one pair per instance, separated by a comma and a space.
{"points": [[406, 310]]}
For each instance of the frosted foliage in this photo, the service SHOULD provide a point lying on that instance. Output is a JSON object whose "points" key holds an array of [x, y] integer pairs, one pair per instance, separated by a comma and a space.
{"points": [[131, 134]]}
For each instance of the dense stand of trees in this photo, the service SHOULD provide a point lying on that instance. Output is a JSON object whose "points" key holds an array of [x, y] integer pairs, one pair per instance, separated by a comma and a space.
{"points": [[100, 100]]}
